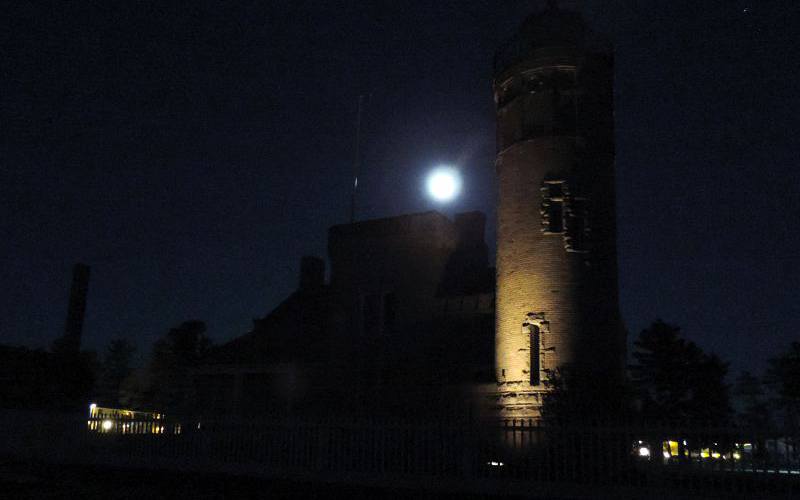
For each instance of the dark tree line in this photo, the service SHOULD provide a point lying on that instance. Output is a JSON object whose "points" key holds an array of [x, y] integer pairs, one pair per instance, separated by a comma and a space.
{"points": [[675, 381], [115, 367], [40, 379], [60, 379], [782, 381], [165, 383], [671, 380]]}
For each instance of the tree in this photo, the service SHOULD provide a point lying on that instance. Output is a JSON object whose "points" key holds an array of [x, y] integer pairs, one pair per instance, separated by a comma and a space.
{"points": [[71, 377], [783, 379], [168, 384], [710, 401], [580, 397], [115, 368], [676, 380], [583, 409], [753, 412], [134, 390], [27, 378], [754, 408]]}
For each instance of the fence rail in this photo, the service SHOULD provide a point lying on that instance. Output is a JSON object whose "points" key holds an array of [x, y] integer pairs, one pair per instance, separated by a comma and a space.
{"points": [[493, 455]]}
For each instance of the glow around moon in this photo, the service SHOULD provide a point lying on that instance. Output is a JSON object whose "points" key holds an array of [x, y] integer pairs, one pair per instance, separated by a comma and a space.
{"points": [[444, 184]]}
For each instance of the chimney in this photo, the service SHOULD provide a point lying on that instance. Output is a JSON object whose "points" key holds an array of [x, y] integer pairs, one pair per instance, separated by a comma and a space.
{"points": [[71, 341], [312, 273]]}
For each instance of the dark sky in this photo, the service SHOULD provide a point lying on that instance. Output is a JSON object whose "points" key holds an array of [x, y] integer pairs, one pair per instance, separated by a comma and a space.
{"points": [[192, 153]]}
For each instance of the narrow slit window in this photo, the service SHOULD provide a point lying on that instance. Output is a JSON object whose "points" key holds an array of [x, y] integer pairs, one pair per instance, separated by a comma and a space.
{"points": [[534, 349]]}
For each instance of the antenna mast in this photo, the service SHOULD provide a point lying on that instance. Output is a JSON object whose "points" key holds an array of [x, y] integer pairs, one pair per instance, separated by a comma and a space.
{"points": [[357, 160]]}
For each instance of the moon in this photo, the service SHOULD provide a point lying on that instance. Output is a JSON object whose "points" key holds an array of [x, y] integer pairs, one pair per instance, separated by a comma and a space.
{"points": [[444, 184]]}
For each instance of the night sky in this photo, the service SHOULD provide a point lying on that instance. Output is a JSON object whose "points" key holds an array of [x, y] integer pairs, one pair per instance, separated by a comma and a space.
{"points": [[192, 153]]}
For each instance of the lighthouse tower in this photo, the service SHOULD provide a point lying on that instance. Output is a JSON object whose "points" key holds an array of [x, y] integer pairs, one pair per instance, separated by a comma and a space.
{"points": [[557, 299]]}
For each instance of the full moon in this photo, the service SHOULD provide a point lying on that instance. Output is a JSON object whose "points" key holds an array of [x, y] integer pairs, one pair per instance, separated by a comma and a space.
{"points": [[444, 183]]}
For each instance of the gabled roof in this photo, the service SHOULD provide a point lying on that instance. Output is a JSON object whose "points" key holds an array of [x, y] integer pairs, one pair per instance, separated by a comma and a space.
{"points": [[278, 335]]}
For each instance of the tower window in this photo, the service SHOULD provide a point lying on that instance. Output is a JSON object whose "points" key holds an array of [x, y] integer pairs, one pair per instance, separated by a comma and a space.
{"points": [[534, 344], [566, 214], [537, 329], [552, 209], [577, 229], [555, 216]]}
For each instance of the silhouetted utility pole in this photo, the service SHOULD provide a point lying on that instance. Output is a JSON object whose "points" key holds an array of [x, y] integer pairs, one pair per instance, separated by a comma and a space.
{"points": [[356, 160], [77, 309]]}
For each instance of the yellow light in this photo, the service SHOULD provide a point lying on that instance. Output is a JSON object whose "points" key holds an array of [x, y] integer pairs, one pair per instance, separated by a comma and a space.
{"points": [[107, 425], [671, 447], [736, 455], [715, 454]]}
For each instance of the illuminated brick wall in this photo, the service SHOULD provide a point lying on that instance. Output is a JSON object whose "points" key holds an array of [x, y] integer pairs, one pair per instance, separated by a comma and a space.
{"points": [[556, 257]]}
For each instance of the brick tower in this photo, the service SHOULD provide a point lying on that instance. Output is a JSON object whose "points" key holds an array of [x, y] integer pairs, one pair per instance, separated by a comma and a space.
{"points": [[556, 259]]}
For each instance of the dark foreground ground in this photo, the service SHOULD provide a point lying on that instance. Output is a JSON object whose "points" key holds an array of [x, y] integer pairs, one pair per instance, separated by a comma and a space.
{"points": [[39, 481], [48, 481]]}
